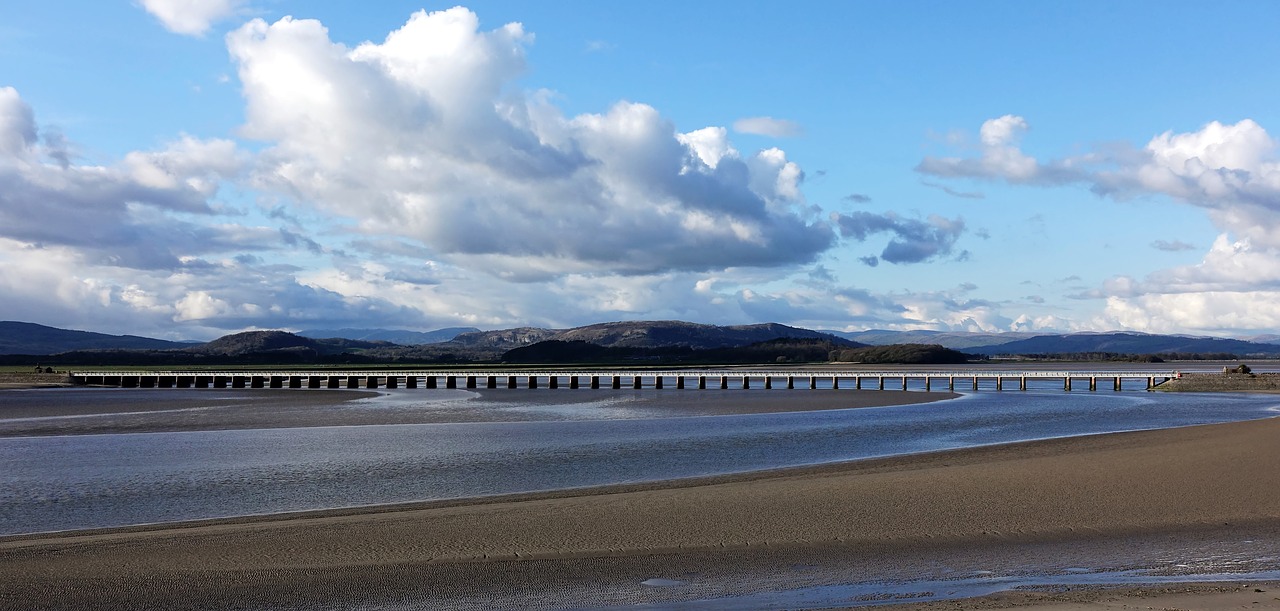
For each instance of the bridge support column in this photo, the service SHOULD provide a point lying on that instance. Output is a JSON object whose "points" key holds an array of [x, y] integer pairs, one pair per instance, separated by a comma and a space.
{"points": [[951, 383], [1022, 383], [471, 382], [880, 382], [835, 382], [724, 382], [1117, 384], [595, 382], [813, 382], [533, 381], [702, 382], [511, 382], [1151, 383], [657, 382], [975, 382], [278, 382], [164, 381], [791, 382], [553, 382], [431, 383], [450, 382], [679, 382], [617, 382], [1067, 384], [1093, 383], [904, 381], [314, 381], [635, 382], [257, 382], [219, 382], [746, 382], [927, 386], [393, 381], [999, 383], [768, 382], [573, 382], [411, 382], [371, 382]]}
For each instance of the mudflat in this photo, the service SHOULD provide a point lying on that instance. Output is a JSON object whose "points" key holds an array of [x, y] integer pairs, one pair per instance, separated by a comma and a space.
{"points": [[1096, 497]]}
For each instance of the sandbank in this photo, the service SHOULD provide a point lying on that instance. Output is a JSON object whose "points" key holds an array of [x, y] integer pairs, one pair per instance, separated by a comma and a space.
{"points": [[1100, 499], [73, 411]]}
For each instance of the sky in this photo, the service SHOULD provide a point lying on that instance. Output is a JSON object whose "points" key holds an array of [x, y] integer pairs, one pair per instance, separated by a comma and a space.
{"points": [[184, 169]]}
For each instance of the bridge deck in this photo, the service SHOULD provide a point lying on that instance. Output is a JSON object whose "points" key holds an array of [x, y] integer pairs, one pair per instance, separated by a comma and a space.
{"points": [[534, 378]]}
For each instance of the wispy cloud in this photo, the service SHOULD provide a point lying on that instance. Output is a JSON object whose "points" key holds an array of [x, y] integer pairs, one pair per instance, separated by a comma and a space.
{"points": [[954, 192], [1172, 246], [768, 126]]}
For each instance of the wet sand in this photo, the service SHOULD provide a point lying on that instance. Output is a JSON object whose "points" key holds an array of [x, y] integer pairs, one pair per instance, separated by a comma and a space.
{"points": [[77, 411], [1094, 499]]}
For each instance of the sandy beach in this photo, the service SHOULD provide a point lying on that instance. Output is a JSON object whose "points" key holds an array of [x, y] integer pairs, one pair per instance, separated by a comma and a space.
{"points": [[1092, 498]]}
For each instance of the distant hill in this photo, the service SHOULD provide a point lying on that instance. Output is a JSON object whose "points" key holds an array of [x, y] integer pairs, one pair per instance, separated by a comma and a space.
{"points": [[778, 350], [259, 343], [948, 339], [33, 339], [665, 333], [1126, 343], [395, 336]]}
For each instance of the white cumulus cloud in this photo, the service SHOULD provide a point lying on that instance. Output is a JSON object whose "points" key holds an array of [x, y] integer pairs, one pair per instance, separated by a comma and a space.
{"points": [[191, 17], [423, 136]]}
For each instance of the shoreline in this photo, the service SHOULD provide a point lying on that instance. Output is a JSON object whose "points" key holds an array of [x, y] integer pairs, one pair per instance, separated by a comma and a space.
{"points": [[1209, 481]]}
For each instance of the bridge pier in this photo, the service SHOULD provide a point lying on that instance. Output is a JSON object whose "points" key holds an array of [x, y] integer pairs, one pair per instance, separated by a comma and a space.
{"points": [[411, 382], [595, 382], [813, 382], [880, 382], [393, 381], [635, 382], [573, 382], [1022, 383], [999, 383], [724, 382], [746, 382], [617, 382], [657, 382], [533, 381], [702, 382], [553, 382], [679, 382], [951, 383], [431, 383], [511, 382], [791, 382]]}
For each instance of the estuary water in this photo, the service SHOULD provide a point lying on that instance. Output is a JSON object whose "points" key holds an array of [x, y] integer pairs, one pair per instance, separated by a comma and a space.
{"points": [[62, 482]]}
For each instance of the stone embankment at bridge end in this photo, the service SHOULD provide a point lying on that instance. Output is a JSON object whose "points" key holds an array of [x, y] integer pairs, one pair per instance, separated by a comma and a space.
{"points": [[1223, 382]]}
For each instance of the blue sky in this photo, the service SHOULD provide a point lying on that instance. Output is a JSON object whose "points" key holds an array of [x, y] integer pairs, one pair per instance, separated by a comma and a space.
{"points": [[993, 166]]}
